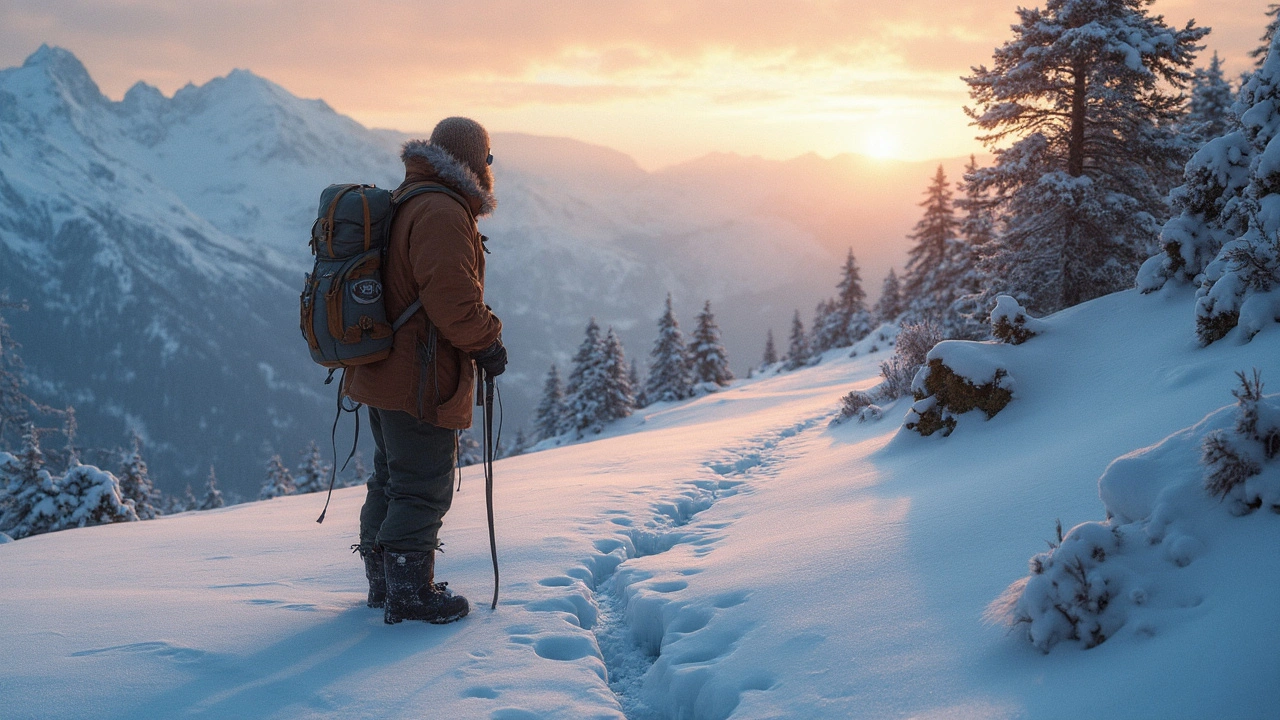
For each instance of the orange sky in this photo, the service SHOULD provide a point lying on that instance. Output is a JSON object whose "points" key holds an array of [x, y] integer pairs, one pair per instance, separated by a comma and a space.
{"points": [[664, 81]]}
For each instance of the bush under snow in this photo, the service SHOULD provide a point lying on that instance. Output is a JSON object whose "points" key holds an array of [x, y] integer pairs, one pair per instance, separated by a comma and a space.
{"points": [[1162, 514], [1011, 324], [960, 376]]}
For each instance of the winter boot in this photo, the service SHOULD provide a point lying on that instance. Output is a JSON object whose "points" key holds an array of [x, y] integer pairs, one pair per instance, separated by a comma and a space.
{"points": [[376, 575], [412, 593]]}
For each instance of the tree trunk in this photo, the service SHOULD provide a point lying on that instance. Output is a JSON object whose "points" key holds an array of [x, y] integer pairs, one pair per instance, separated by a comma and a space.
{"points": [[1075, 144]]}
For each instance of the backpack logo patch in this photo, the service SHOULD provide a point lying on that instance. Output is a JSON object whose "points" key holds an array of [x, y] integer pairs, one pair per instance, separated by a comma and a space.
{"points": [[367, 291]]}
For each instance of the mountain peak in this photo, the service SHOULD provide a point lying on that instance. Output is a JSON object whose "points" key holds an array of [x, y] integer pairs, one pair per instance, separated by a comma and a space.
{"points": [[66, 71]]}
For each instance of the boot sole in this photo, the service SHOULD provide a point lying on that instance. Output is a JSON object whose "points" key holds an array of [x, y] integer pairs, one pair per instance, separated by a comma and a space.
{"points": [[443, 620]]}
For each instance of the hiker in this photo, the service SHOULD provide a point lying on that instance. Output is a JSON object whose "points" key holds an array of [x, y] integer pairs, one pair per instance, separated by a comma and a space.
{"points": [[421, 394]]}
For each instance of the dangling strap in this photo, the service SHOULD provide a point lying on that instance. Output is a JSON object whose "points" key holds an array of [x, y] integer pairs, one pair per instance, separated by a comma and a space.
{"points": [[333, 441]]}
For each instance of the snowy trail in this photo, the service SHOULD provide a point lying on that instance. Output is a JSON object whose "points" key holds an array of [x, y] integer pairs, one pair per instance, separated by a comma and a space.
{"points": [[726, 557]]}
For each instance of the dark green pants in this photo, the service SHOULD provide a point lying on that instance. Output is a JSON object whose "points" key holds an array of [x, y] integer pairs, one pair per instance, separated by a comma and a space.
{"points": [[412, 484]]}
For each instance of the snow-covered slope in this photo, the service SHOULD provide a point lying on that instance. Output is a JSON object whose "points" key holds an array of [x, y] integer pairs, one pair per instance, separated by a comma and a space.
{"points": [[732, 556]]}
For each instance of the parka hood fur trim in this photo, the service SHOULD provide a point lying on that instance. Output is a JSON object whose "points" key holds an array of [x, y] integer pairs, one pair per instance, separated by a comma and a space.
{"points": [[453, 171]]}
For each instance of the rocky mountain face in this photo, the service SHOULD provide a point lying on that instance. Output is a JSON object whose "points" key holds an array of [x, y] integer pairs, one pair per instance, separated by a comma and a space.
{"points": [[160, 242]]}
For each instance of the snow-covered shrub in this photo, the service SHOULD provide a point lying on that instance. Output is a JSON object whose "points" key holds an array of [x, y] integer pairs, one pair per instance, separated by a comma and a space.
{"points": [[911, 348], [1069, 594], [1162, 513], [959, 377], [1011, 324], [90, 496], [1234, 458], [860, 405]]}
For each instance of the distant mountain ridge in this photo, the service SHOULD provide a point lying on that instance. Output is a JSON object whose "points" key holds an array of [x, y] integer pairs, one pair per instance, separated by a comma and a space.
{"points": [[161, 240]]}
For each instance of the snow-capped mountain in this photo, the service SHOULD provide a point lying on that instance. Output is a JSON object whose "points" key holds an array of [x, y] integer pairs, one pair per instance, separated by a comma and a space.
{"points": [[159, 240]]}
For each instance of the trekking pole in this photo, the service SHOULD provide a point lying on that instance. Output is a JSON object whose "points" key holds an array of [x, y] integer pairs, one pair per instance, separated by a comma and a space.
{"points": [[488, 478]]}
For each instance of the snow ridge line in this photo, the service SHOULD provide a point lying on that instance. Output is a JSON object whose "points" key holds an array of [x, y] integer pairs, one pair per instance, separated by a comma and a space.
{"points": [[637, 615]]}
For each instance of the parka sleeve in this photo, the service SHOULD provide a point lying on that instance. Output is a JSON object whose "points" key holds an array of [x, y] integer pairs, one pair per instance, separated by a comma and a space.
{"points": [[444, 254]]}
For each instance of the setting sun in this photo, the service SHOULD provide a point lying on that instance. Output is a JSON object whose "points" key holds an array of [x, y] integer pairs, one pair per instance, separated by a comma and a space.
{"points": [[882, 145]]}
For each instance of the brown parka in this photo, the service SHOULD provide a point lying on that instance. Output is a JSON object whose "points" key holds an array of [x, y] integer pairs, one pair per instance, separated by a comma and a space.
{"points": [[436, 254]]}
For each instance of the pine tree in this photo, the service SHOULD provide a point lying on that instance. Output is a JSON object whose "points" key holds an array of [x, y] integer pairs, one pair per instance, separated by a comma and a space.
{"points": [[1210, 115], [187, 500], [967, 318], [278, 482], [940, 261], [889, 306], [135, 483], [619, 399], [1259, 54], [550, 420], [14, 403], [1241, 286], [212, 495], [469, 450], [313, 473], [770, 352], [1087, 91], [28, 483], [710, 360], [798, 353], [842, 320], [978, 226], [588, 384], [669, 377], [88, 496], [359, 474]]}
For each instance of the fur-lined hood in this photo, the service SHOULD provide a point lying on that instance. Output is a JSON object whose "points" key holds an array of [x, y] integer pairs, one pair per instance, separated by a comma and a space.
{"points": [[453, 172]]}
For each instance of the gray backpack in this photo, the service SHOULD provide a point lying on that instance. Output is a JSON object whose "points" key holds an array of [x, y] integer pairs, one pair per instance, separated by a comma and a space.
{"points": [[343, 318]]}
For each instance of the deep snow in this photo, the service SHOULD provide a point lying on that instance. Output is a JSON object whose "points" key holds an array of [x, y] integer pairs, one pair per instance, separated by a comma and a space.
{"points": [[729, 556]]}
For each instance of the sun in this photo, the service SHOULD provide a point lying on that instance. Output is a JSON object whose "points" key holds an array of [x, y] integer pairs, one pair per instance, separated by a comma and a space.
{"points": [[881, 144]]}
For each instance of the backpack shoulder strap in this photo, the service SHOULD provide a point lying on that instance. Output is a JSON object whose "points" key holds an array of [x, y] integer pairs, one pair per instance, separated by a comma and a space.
{"points": [[398, 198], [401, 195]]}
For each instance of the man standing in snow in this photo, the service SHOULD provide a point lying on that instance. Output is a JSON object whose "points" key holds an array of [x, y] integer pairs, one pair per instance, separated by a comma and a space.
{"points": [[421, 394]]}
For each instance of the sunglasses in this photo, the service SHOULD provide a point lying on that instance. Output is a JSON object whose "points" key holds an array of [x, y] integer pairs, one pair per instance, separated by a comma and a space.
{"points": [[489, 160]]}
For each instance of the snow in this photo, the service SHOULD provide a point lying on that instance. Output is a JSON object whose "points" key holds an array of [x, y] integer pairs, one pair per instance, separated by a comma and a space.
{"points": [[728, 556]]}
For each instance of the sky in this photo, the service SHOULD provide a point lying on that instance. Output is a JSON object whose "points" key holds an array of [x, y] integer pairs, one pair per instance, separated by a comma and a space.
{"points": [[664, 81]]}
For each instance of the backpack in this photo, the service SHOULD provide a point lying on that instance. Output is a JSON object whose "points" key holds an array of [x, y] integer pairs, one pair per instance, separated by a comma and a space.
{"points": [[343, 318]]}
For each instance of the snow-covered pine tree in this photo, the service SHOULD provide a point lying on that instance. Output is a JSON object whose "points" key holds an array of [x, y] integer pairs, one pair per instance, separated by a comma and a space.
{"points": [[1241, 286], [940, 261], [278, 482], [187, 500], [359, 474], [1212, 97], [889, 306], [669, 377], [842, 320], [588, 384], [27, 485], [1259, 54], [15, 405], [313, 473], [212, 495], [519, 444], [550, 418], [798, 353], [710, 360], [619, 399], [1210, 211], [469, 450], [770, 351], [135, 483], [1088, 94], [88, 496]]}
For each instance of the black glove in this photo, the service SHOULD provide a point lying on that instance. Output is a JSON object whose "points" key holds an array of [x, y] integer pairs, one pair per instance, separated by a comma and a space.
{"points": [[492, 360]]}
